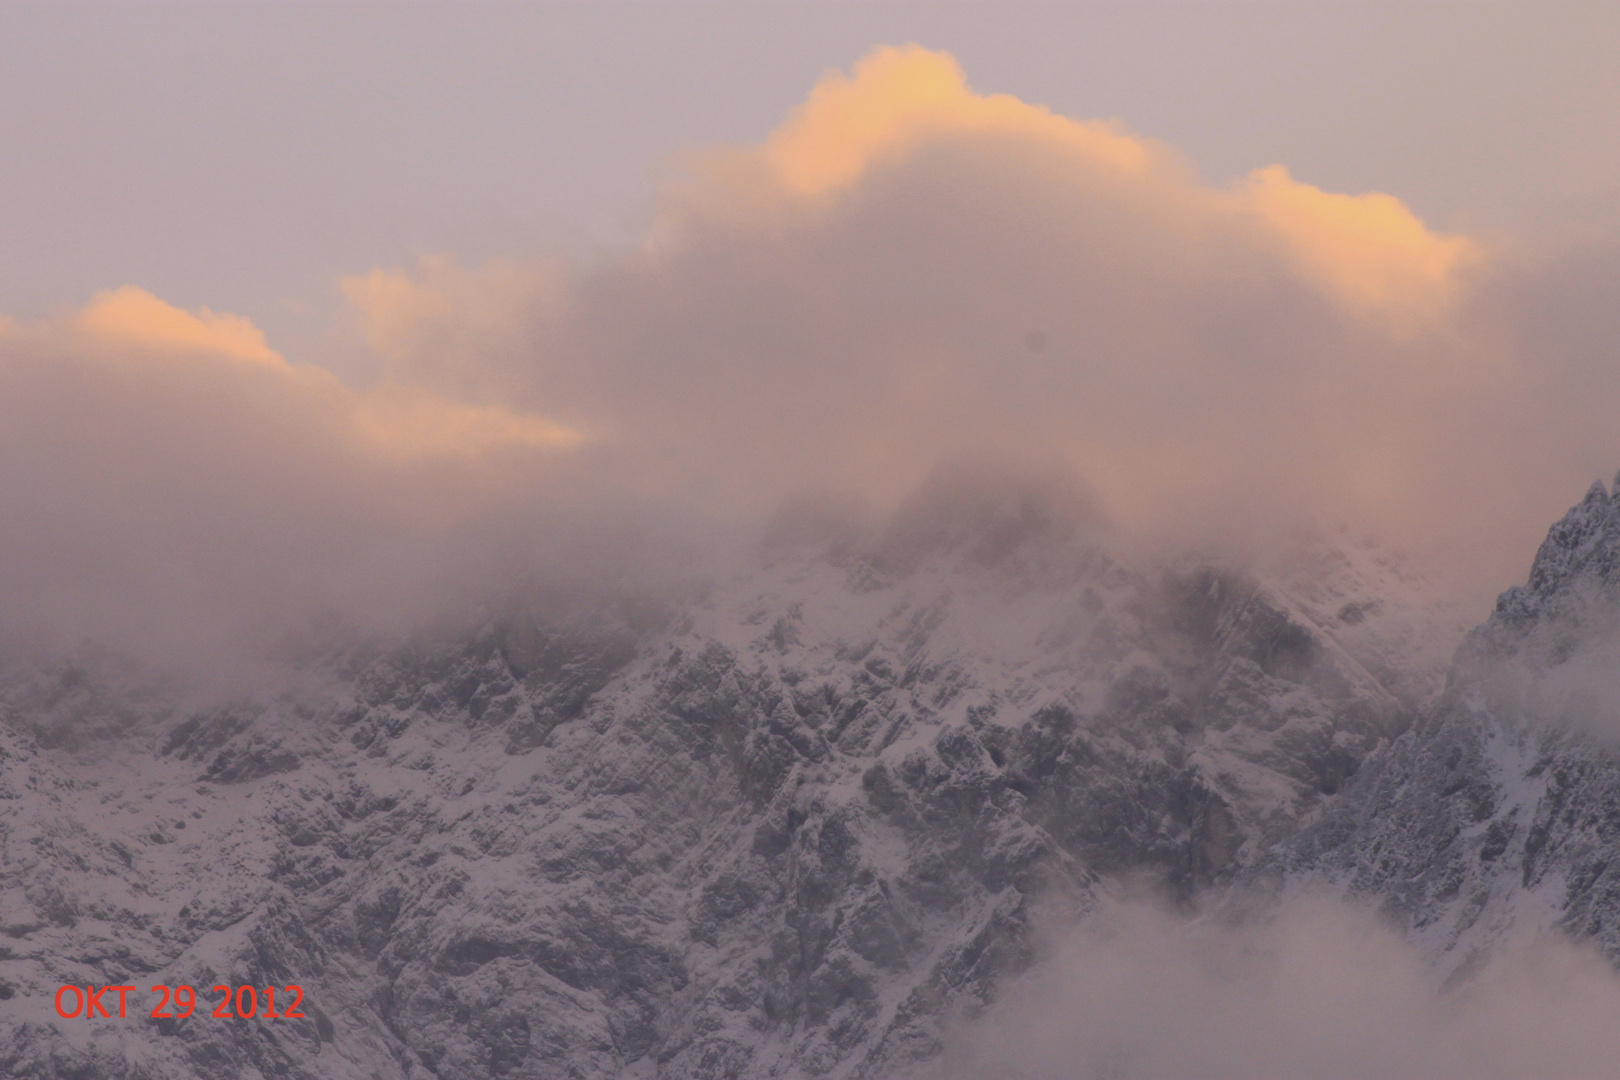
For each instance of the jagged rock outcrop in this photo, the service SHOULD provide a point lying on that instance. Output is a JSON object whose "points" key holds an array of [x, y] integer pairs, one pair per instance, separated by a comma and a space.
{"points": [[1499, 812], [787, 827]]}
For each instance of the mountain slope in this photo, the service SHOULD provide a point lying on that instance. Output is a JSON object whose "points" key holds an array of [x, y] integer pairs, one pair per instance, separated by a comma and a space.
{"points": [[1499, 812], [787, 826]]}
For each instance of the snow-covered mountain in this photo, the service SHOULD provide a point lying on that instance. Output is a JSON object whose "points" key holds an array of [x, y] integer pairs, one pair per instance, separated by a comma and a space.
{"points": [[790, 824], [1498, 813]]}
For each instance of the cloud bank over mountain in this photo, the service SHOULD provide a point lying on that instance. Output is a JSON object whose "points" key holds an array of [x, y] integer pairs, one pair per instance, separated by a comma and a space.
{"points": [[906, 271], [172, 484]]}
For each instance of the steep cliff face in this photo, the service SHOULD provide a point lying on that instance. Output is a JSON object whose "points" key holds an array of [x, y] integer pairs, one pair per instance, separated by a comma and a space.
{"points": [[786, 827], [1499, 812]]}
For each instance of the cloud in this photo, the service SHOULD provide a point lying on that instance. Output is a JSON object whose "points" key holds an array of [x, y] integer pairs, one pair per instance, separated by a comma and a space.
{"points": [[905, 272], [1315, 990], [170, 480], [1369, 250], [450, 325], [898, 100], [130, 317]]}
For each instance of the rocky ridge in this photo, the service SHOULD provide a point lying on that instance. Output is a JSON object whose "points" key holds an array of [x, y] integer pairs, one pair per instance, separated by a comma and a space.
{"points": [[1498, 813], [788, 827]]}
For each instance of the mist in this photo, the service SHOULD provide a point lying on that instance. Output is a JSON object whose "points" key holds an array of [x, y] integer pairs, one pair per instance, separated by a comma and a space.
{"points": [[905, 272], [908, 271], [1315, 989], [177, 491]]}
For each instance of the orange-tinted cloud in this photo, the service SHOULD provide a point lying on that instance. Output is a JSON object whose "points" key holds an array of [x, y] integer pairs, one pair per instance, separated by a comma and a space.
{"points": [[906, 271], [853, 299], [900, 98], [132, 316], [1369, 250], [393, 419], [174, 486]]}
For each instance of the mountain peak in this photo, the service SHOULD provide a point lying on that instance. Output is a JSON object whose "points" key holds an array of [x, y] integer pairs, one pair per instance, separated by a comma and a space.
{"points": [[1583, 543]]}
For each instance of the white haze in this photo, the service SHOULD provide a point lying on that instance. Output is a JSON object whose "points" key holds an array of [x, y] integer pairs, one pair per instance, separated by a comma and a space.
{"points": [[905, 272], [1316, 990]]}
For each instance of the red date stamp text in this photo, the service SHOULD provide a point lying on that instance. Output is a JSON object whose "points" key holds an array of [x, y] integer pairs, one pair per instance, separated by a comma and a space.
{"points": [[179, 1002]]}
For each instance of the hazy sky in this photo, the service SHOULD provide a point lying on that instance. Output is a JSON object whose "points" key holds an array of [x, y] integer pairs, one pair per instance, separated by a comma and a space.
{"points": [[244, 156], [359, 308]]}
